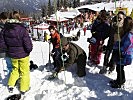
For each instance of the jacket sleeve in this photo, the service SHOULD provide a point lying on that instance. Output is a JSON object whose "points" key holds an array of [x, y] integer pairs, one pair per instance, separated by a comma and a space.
{"points": [[71, 59], [111, 39], [58, 38], [2, 42], [94, 25], [27, 43]]}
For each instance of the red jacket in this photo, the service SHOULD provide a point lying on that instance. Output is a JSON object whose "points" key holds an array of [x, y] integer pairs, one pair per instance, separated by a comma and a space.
{"points": [[55, 39]]}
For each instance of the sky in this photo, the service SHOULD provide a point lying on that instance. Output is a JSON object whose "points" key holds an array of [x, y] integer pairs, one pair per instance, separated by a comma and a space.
{"points": [[68, 86]]}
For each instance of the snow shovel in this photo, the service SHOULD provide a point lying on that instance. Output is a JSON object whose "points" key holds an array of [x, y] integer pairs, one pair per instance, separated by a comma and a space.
{"points": [[49, 64]]}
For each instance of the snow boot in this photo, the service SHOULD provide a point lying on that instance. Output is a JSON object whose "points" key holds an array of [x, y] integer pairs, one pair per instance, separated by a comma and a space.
{"points": [[115, 85], [14, 97], [111, 68], [81, 73], [112, 81], [103, 70], [10, 89]]}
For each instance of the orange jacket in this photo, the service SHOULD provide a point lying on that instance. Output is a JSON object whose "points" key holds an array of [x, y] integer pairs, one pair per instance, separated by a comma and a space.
{"points": [[55, 39]]}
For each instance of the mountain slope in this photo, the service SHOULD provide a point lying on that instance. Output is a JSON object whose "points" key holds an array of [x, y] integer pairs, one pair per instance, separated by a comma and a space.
{"points": [[25, 5]]}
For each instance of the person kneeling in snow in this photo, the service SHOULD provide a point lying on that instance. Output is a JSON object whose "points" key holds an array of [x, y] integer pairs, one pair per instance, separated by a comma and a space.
{"points": [[75, 55]]}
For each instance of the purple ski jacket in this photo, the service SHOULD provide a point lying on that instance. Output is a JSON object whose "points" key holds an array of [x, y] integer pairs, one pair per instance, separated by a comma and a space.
{"points": [[16, 39]]}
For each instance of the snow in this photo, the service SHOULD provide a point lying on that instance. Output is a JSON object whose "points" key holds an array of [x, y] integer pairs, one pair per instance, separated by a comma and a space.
{"points": [[68, 86], [109, 6], [72, 13], [82, 0]]}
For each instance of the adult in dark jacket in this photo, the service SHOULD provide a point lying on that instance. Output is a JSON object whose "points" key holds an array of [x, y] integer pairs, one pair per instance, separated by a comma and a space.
{"points": [[19, 46], [3, 19], [75, 55], [100, 31]]}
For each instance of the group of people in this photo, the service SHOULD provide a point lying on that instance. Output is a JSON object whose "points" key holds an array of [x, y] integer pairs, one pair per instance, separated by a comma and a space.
{"points": [[75, 54], [119, 30], [16, 43], [119, 49]]}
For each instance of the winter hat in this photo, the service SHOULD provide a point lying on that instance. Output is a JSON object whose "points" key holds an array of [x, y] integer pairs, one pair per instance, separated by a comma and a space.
{"points": [[64, 41]]}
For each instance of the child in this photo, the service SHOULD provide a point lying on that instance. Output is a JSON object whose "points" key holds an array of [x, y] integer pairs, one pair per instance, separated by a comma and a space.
{"points": [[125, 53]]}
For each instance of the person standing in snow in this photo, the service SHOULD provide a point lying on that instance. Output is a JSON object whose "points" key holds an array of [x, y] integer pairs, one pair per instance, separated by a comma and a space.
{"points": [[125, 53], [19, 46], [75, 55], [56, 51], [85, 28], [100, 31], [116, 27], [3, 54]]}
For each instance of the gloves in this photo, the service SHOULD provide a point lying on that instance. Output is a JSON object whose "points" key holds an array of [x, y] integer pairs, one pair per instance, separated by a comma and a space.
{"points": [[49, 41], [64, 57], [52, 54], [91, 40]]}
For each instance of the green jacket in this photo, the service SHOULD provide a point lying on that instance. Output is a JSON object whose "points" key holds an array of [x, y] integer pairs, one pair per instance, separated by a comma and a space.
{"points": [[73, 53]]}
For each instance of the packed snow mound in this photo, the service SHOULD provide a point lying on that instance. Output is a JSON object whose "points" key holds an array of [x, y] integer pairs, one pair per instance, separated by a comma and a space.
{"points": [[66, 77]]}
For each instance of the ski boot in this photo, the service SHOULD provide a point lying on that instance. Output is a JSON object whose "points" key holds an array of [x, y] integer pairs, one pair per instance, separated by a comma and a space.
{"points": [[10, 89], [115, 85], [103, 70]]}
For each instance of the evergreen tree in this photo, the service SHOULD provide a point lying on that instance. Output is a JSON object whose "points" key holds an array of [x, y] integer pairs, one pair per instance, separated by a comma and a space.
{"points": [[49, 7], [70, 4], [74, 3], [65, 4], [34, 16], [44, 10], [61, 3], [78, 3], [58, 4], [54, 7]]}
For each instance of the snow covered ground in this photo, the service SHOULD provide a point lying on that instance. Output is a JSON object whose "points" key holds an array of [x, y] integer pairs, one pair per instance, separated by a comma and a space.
{"points": [[93, 86]]}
